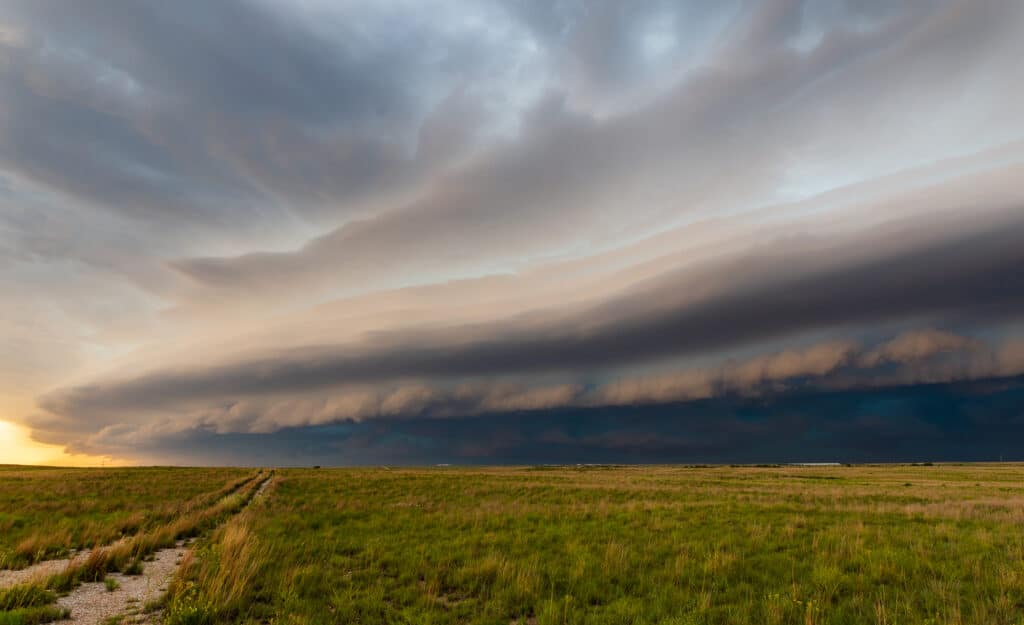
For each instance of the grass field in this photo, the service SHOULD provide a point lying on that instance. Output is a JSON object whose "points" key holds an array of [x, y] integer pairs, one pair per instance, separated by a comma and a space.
{"points": [[901, 545], [46, 512], [928, 544]]}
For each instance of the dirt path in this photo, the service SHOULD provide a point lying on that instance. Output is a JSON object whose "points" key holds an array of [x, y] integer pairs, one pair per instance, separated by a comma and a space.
{"points": [[41, 570], [259, 491], [92, 604]]}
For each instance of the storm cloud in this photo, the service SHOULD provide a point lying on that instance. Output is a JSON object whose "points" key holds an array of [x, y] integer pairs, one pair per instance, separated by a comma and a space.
{"points": [[971, 279], [248, 219], [915, 423]]}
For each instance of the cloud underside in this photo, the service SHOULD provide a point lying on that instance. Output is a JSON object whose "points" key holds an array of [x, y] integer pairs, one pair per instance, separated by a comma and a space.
{"points": [[376, 221], [980, 421], [903, 303]]}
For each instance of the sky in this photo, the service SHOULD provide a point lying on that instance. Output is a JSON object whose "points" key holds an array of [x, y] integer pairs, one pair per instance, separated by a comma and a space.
{"points": [[346, 232]]}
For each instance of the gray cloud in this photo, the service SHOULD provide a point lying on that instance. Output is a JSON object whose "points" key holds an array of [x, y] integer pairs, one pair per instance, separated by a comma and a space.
{"points": [[562, 183], [963, 422], [834, 367], [187, 111], [919, 346], [971, 278]]}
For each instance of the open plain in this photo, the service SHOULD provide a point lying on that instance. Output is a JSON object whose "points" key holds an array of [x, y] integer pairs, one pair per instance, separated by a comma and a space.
{"points": [[879, 544]]}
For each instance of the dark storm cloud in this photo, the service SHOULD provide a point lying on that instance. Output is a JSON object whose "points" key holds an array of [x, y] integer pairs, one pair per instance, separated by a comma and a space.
{"points": [[515, 201], [971, 279], [952, 422], [566, 178], [94, 155], [236, 112], [200, 110]]}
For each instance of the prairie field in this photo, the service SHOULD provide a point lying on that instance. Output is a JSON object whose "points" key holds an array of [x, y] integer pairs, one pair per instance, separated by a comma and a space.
{"points": [[45, 512], [890, 544]]}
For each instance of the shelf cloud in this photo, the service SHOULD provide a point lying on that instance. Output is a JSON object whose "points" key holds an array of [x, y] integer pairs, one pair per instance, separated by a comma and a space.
{"points": [[539, 229]]}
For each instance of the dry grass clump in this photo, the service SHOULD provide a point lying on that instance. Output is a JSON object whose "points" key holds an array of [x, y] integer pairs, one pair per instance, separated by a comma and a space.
{"points": [[219, 583], [221, 587], [36, 545]]}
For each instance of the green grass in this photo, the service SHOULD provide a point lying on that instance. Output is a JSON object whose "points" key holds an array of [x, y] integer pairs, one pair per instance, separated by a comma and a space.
{"points": [[33, 616], [891, 545], [25, 596], [846, 545], [27, 605], [45, 512]]}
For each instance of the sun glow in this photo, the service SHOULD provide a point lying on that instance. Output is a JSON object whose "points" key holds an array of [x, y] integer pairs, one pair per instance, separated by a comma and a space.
{"points": [[17, 447]]}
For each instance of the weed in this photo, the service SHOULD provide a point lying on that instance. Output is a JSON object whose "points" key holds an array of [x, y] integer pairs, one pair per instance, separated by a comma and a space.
{"points": [[188, 607]]}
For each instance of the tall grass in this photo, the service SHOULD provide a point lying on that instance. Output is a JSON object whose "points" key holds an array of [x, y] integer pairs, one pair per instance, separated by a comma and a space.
{"points": [[662, 545], [224, 586]]}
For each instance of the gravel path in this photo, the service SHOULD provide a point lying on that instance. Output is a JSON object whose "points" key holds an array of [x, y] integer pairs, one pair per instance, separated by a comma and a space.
{"points": [[259, 491], [92, 603], [41, 570]]}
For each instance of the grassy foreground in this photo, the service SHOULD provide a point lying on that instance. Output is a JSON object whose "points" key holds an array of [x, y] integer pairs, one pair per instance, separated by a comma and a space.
{"points": [[44, 512], [31, 602], [844, 545]]}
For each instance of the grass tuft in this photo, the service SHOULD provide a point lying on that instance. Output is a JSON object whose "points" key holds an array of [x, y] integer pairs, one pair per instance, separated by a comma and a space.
{"points": [[33, 616], [25, 596]]}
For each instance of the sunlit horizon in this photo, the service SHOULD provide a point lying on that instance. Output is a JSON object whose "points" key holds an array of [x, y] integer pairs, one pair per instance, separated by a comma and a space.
{"points": [[19, 448]]}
